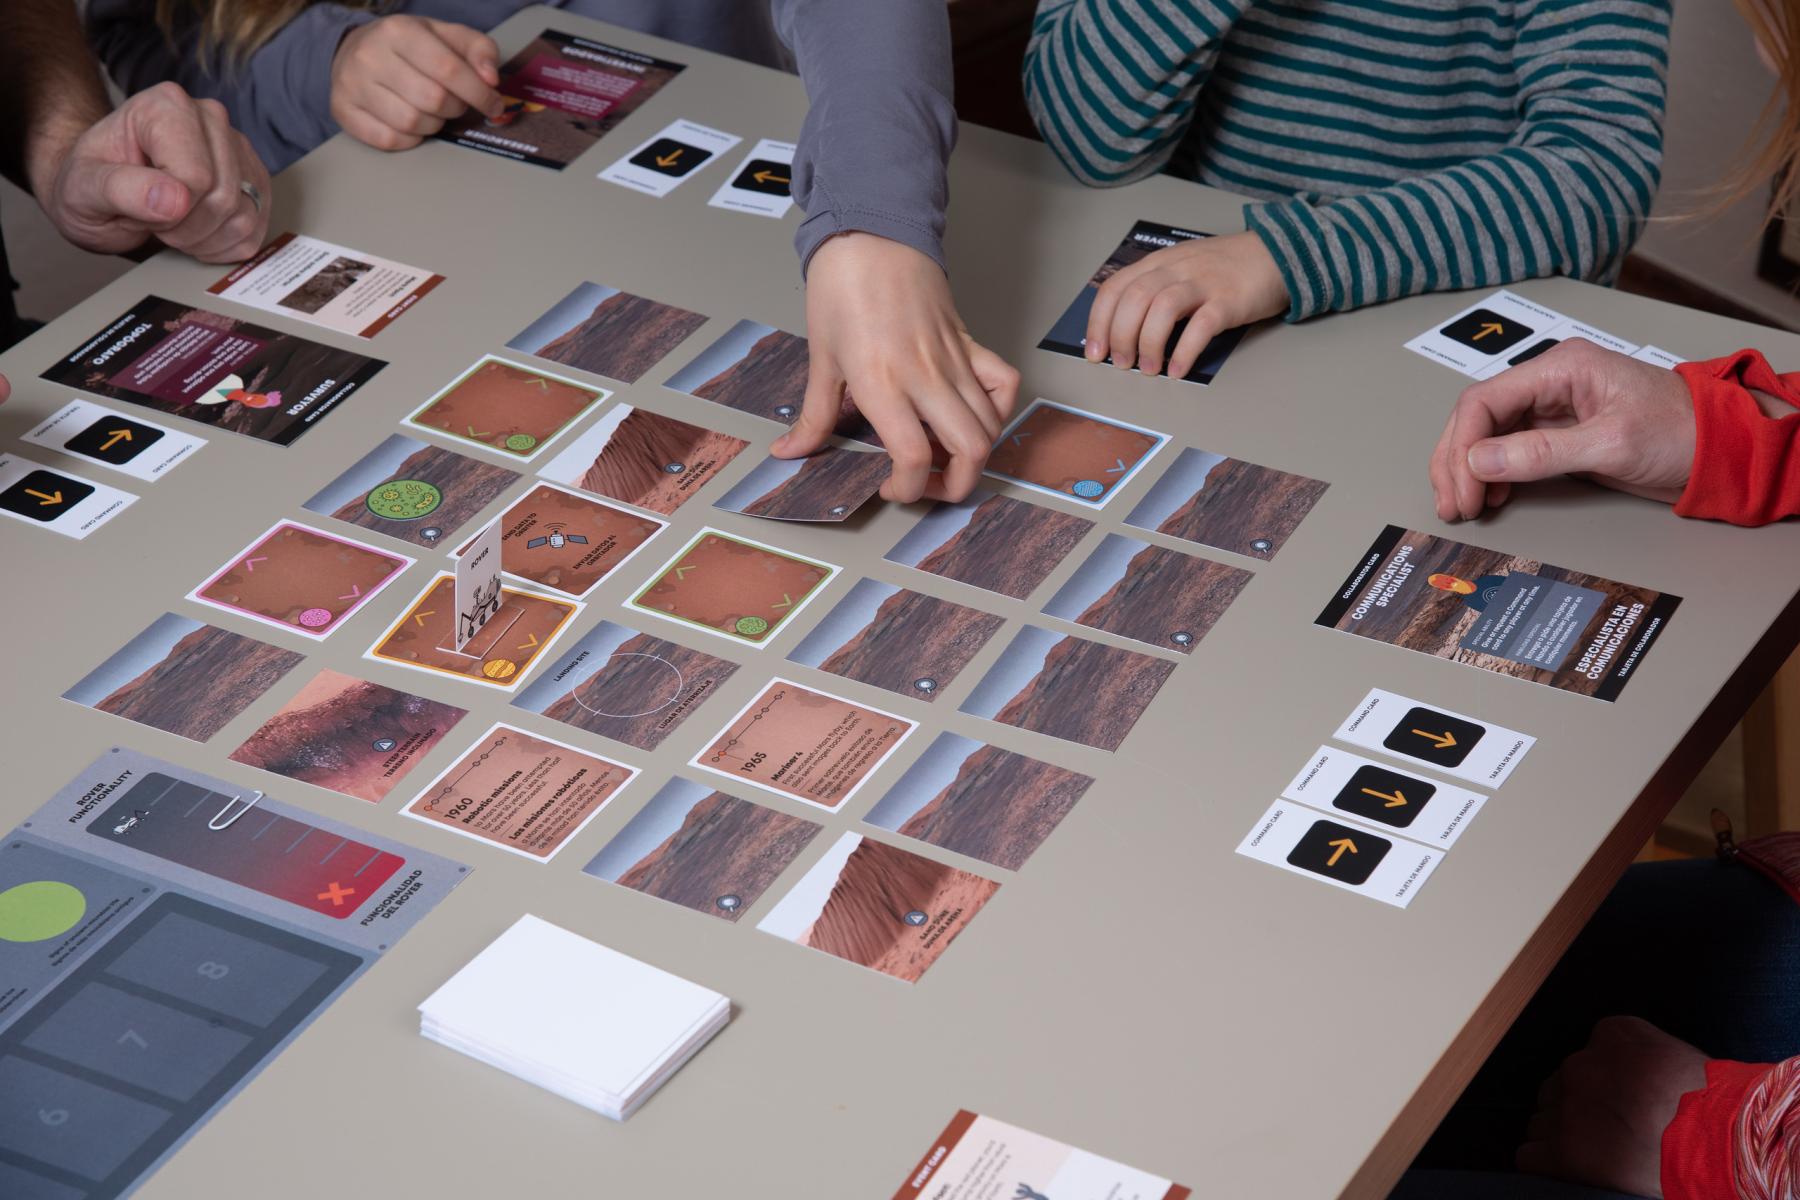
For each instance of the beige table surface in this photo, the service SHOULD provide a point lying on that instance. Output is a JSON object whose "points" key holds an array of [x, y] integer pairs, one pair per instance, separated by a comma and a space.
{"points": [[1137, 989]]}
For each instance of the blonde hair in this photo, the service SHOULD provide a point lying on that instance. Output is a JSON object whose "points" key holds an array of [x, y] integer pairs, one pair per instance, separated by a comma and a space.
{"points": [[233, 30], [1774, 149]]}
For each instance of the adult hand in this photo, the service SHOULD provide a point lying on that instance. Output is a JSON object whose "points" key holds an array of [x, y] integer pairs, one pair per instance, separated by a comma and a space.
{"points": [[1215, 283], [1601, 1117], [1574, 410], [162, 165], [396, 80], [881, 322]]}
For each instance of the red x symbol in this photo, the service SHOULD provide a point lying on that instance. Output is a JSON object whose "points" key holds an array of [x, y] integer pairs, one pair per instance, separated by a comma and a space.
{"points": [[335, 894]]}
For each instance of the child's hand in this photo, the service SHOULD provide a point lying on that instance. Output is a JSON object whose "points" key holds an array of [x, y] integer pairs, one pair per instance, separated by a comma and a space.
{"points": [[1218, 283], [396, 80]]}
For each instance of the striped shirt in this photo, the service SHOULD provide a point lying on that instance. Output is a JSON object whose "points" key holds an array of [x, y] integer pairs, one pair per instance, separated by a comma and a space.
{"points": [[1401, 146]]}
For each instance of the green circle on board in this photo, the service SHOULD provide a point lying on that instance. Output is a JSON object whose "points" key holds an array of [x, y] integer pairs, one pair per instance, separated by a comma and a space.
{"points": [[39, 910], [404, 499], [520, 442], [752, 626]]}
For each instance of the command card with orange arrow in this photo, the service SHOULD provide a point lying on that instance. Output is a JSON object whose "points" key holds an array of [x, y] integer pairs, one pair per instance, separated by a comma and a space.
{"points": [[130, 445], [60, 502], [1505, 329], [663, 162], [761, 182], [1297, 839], [1460, 746], [1349, 786]]}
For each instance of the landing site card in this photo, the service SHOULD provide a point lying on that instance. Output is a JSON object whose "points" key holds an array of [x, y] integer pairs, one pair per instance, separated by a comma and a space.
{"points": [[1306, 842], [349, 736], [760, 184], [301, 579], [1351, 787], [523, 631], [702, 849], [184, 677], [131, 445], [413, 491], [566, 542], [992, 542], [57, 500], [1069, 453], [1069, 688], [563, 93], [1212, 500], [626, 685], [1504, 330], [1163, 598], [643, 458], [978, 1157], [881, 907], [504, 406], [807, 745], [660, 165], [733, 587], [521, 792], [477, 574], [608, 332], [309, 280], [979, 800], [1503, 613], [761, 370], [899, 640], [827, 485], [1449, 742], [215, 369]]}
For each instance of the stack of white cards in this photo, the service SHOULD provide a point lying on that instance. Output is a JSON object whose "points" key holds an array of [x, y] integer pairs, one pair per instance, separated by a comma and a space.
{"points": [[588, 1023]]}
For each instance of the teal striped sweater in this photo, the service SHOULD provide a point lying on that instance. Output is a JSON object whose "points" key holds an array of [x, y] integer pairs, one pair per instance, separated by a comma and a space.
{"points": [[1401, 146]]}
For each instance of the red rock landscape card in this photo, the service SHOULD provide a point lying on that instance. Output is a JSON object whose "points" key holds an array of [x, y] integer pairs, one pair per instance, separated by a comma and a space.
{"points": [[607, 332], [349, 736], [522, 631], [413, 491], [1069, 688], [1160, 597], [625, 685], [1217, 501], [507, 407], [566, 542], [826, 486], [991, 542], [301, 579], [879, 906], [1070, 453], [806, 745], [895, 639], [733, 587], [643, 458], [761, 370], [702, 849]]}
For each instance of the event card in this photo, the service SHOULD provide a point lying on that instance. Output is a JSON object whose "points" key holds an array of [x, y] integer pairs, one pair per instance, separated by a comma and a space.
{"points": [[898, 640], [733, 587], [1299, 839], [643, 458], [344, 290], [1226, 503], [1072, 454], [1163, 598], [827, 485], [608, 332], [1446, 741], [807, 745], [992, 542], [1069, 688], [1350, 786], [524, 629], [412, 490], [300, 579], [978, 1157], [58, 501], [661, 164], [626, 685], [131, 445], [514, 409], [760, 183], [565, 542]]}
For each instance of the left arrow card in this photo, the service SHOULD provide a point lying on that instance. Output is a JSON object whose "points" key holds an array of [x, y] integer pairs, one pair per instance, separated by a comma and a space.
{"points": [[139, 448], [660, 165], [64, 503]]}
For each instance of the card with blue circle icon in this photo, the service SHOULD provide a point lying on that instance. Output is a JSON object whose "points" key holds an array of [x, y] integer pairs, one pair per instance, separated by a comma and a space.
{"points": [[1072, 454]]}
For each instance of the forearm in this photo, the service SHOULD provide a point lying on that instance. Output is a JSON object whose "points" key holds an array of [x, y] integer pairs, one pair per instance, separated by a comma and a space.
{"points": [[1746, 441], [50, 89], [1737, 1137]]}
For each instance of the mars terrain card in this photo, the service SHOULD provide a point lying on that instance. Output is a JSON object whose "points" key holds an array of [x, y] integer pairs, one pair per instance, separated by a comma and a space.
{"points": [[298, 578], [898, 640], [349, 736], [130, 445], [520, 633], [1351, 787], [215, 369], [626, 685], [344, 290], [761, 183], [1504, 613], [1449, 742], [514, 409], [566, 542], [563, 93], [1226, 503], [1160, 597], [702, 849], [807, 745], [643, 458], [733, 587], [521, 792], [1068, 688], [59, 501], [1069, 453], [881, 907], [608, 332], [992, 542], [663, 163], [827, 485], [183, 677], [413, 491], [1069, 334], [979, 800], [1351, 857], [761, 370], [978, 1157]]}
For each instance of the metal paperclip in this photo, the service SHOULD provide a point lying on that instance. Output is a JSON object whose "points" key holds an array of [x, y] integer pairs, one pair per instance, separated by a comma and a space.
{"points": [[221, 822]]}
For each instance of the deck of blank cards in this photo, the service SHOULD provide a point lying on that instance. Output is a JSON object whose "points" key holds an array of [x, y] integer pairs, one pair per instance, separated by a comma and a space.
{"points": [[588, 1023]]}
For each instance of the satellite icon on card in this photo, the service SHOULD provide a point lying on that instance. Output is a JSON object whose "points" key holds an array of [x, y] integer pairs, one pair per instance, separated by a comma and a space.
{"points": [[556, 539]]}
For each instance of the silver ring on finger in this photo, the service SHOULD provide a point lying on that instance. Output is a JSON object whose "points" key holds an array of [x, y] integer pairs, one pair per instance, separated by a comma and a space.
{"points": [[251, 190]]}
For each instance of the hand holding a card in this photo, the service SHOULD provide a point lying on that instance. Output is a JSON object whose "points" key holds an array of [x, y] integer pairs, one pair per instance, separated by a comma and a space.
{"points": [[397, 79]]}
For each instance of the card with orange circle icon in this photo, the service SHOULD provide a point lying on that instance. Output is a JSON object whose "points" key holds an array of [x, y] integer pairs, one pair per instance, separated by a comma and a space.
{"points": [[498, 655], [513, 409], [733, 587], [300, 579]]}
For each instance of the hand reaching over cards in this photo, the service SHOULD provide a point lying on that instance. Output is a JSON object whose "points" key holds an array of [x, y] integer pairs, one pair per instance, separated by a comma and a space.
{"points": [[882, 324], [396, 80]]}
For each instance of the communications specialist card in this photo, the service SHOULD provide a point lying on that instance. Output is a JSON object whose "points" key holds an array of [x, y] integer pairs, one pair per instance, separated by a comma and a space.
{"points": [[214, 369], [1501, 612]]}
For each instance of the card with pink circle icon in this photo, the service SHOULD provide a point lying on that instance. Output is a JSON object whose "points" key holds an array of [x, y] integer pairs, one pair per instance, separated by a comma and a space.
{"points": [[301, 579]]}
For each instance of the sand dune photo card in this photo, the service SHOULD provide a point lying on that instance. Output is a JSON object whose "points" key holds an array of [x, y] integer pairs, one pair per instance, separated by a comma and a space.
{"points": [[643, 458]]}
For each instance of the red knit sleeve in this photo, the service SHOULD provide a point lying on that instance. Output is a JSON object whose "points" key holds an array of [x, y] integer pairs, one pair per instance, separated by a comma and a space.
{"points": [[1746, 465], [1697, 1146]]}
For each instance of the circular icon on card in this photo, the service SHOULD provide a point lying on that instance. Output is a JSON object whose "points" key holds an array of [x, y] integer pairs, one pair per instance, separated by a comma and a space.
{"points": [[751, 626], [915, 917], [520, 442], [383, 745], [785, 411], [315, 618], [730, 902], [1182, 637], [431, 533], [926, 684], [499, 668], [674, 468], [404, 499], [839, 510], [1262, 545], [1089, 489]]}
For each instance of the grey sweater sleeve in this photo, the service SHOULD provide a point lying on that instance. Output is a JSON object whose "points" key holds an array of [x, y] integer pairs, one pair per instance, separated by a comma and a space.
{"points": [[874, 150]]}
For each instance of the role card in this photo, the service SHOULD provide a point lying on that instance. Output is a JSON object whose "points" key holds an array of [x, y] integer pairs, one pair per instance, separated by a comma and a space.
{"points": [[1068, 688], [733, 587], [514, 409], [413, 491], [1163, 598], [1504, 330], [1069, 334], [607, 332], [344, 290], [1352, 857], [991, 542], [349, 736], [565, 542], [898, 640], [827, 485], [520, 791], [760, 183], [761, 370], [881, 907], [56, 500], [1449, 742], [1350, 787], [183, 677], [1503, 613], [301, 579], [979, 1157], [660, 165], [1065, 452], [1226, 503], [626, 685], [523, 631], [703, 849], [806, 745], [562, 94], [215, 369], [979, 800], [643, 458], [130, 445]]}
